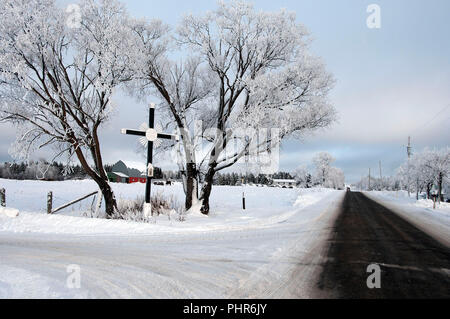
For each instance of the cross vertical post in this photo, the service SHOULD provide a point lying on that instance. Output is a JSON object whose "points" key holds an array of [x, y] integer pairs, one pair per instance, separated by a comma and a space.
{"points": [[148, 188]]}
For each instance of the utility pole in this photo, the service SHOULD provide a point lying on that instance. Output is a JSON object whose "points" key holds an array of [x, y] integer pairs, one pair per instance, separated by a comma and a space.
{"points": [[369, 179], [409, 151], [381, 178], [381, 171]]}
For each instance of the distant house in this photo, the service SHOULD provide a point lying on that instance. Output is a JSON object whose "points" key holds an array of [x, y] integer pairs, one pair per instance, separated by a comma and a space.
{"points": [[142, 180], [284, 183], [117, 177], [122, 174]]}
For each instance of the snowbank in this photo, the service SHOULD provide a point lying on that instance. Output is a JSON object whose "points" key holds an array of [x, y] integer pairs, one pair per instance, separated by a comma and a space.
{"points": [[9, 212], [403, 198]]}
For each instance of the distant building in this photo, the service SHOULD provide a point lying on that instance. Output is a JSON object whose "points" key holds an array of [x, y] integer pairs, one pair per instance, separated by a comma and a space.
{"points": [[117, 177], [284, 183], [142, 180], [120, 173]]}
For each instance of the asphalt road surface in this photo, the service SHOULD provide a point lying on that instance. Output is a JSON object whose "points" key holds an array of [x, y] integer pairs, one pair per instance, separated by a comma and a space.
{"points": [[413, 264]]}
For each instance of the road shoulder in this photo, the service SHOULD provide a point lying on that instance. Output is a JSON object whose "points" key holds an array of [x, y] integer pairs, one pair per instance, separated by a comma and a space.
{"points": [[422, 218]]}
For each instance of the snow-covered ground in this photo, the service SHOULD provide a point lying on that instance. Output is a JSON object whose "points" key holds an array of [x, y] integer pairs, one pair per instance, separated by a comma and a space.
{"points": [[265, 207], [421, 213], [267, 251]]}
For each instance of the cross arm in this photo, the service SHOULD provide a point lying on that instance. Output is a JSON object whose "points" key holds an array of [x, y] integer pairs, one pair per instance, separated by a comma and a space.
{"points": [[133, 132], [168, 137]]}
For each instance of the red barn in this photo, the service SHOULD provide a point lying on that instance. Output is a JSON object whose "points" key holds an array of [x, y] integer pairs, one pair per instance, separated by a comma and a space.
{"points": [[134, 180]]}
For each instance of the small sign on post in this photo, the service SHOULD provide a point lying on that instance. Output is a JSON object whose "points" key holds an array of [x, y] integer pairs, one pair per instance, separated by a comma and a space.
{"points": [[150, 171]]}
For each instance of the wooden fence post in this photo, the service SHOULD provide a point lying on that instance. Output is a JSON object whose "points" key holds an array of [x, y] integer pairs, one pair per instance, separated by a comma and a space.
{"points": [[49, 202], [3, 197]]}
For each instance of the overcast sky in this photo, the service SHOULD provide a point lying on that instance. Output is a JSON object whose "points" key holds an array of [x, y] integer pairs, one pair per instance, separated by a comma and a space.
{"points": [[391, 82]]}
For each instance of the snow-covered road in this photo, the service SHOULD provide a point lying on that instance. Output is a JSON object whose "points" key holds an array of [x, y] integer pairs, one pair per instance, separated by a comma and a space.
{"points": [[273, 259]]}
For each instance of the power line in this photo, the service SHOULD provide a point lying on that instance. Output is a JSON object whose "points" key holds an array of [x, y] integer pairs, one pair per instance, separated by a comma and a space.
{"points": [[433, 119]]}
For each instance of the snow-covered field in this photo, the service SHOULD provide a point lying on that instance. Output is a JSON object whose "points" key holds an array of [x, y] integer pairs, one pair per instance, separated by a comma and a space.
{"points": [[265, 207], [267, 251], [421, 213]]}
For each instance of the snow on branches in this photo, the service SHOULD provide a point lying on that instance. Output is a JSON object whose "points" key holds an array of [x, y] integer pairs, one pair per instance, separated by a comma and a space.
{"points": [[243, 70], [265, 76], [57, 80], [426, 169]]}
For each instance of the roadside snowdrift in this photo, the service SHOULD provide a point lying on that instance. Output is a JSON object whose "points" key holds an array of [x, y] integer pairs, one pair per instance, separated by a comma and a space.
{"points": [[9, 212]]}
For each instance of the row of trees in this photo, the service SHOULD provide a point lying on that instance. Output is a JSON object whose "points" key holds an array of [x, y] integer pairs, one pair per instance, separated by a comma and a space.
{"points": [[235, 67], [390, 183], [233, 179], [325, 174], [426, 170], [41, 170]]}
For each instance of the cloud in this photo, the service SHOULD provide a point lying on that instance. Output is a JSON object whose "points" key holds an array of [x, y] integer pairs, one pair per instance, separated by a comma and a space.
{"points": [[390, 113]]}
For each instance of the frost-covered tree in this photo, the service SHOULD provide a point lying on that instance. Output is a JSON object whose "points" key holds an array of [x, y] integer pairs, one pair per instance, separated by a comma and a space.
{"points": [[336, 178], [57, 76], [241, 69], [425, 170], [438, 162], [322, 162], [303, 177], [418, 173]]}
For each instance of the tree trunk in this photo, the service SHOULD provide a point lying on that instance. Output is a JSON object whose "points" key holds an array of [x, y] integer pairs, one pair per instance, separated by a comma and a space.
{"points": [[191, 185], [110, 200], [417, 189], [206, 190], [429, 186], [440, 181]]}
